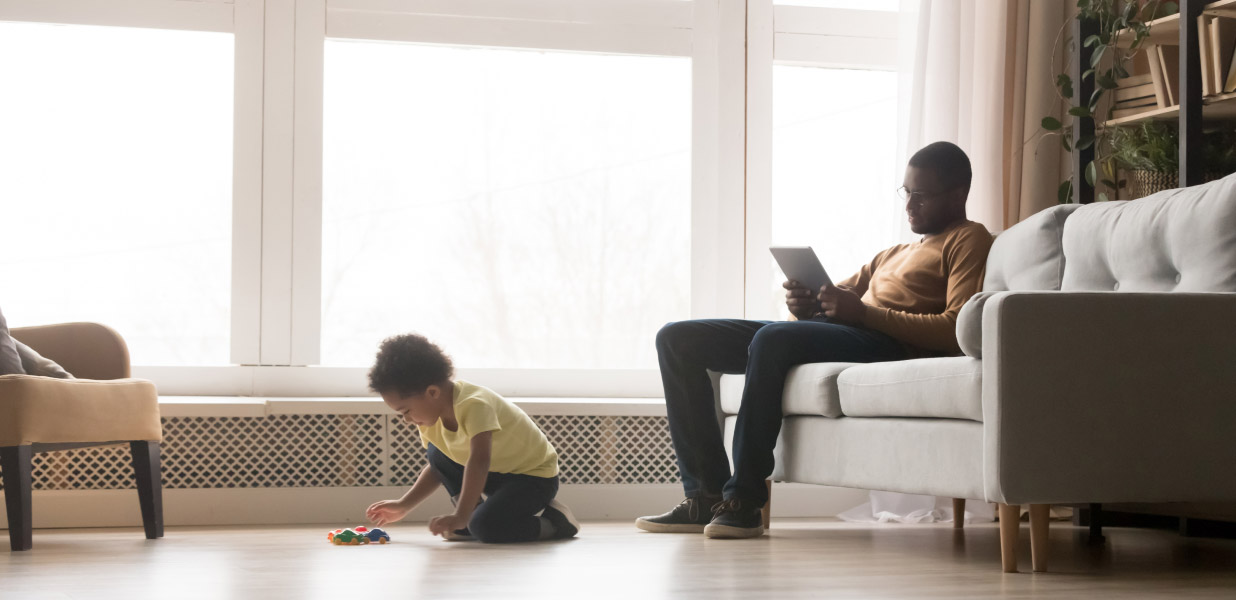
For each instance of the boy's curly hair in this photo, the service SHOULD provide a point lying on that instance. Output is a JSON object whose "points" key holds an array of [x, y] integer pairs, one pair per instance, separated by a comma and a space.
{"points": [[407, 364]]}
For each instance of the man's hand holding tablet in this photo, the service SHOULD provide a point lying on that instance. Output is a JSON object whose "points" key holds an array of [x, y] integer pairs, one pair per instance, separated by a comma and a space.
{"points": [[810, 291]]}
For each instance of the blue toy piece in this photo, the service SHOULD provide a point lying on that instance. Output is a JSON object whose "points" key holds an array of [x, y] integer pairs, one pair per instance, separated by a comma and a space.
{"points": [[377, 536]]}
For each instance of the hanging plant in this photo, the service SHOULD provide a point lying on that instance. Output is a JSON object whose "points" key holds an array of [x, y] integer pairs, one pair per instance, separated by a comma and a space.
{"points": [[1112, 53]]}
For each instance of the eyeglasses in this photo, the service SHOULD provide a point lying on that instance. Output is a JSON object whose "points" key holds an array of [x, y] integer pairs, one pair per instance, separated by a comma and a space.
{"points": [[908, 195]]}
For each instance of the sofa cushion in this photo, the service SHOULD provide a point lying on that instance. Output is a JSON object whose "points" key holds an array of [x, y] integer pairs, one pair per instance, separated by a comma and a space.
{"points": [[1181, 240], [1029, 255], [809, 390], [943, 388]]}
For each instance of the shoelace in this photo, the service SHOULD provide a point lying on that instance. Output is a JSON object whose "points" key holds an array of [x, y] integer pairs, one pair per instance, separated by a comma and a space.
{"points": [[726, 506]]}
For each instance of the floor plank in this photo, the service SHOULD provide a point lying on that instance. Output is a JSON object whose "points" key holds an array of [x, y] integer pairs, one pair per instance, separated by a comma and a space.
{"points": [[799, 559]]}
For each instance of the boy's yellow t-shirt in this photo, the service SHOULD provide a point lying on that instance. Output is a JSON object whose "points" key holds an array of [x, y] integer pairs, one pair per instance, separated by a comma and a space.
{"points": [[519, 446]]}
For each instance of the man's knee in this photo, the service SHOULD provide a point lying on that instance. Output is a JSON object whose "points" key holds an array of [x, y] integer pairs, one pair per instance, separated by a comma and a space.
{"points": [[775, 336], [673, 337]]}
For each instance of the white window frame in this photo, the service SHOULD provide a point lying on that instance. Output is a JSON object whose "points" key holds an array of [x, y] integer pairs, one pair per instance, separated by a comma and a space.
{"points": [[805, 36], [277, 178]]}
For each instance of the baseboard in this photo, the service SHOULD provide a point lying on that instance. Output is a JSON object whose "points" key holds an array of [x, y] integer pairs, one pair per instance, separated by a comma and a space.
{"points": [[342, 506]]}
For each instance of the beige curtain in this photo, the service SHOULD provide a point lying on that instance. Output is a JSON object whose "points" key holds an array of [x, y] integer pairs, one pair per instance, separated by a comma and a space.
{"points": [[979, 73]]}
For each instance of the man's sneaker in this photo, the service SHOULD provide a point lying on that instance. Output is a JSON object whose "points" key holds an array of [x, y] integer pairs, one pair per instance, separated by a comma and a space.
{"points": [[690, 516], [736, 519], [565, 524]]}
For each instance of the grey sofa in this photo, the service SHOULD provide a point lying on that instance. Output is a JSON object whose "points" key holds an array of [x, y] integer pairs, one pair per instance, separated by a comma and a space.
{"points": [[1099, 366]]}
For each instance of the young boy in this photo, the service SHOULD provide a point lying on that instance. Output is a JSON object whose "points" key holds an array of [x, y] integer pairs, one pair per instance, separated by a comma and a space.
{"points": [[475, 441]]}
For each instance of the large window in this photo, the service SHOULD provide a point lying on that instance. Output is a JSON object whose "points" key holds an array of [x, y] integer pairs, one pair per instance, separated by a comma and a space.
{"points": [[524, 209], [116, 184], [834, 147]]}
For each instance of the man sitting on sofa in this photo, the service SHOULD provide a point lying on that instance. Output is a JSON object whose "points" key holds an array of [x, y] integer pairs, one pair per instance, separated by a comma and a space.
{"points": [[903, 304]]}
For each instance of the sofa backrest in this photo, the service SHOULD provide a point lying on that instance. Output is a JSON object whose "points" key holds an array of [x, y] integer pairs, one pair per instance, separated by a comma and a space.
{"points": [[1029, 255], [1181, 240]]}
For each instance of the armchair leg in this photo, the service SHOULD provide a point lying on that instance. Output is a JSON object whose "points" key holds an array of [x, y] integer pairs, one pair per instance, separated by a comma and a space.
{"points": [[1040, 516], [16, 465], [149, 486], [1010, 516], [959, 513], [766, 512]]}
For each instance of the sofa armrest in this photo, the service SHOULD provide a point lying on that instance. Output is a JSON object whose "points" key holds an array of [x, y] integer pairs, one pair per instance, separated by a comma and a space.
{"points": [[46, 410], [1109, 397]]}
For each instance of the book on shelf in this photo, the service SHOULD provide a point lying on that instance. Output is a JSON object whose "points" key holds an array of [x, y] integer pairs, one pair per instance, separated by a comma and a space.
{"points": [[1169, 59], [1230, 85], [1136, 92], [1203, 42], [1222, 39], [1120, 113], [1161, 93]]}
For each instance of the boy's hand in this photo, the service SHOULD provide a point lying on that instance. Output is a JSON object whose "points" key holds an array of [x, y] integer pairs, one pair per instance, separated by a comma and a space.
{"points": [[447, 523], [385, 511]]}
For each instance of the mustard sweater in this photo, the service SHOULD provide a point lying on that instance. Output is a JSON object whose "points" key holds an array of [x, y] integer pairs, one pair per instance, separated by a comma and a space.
{"points": [[913, 292]]}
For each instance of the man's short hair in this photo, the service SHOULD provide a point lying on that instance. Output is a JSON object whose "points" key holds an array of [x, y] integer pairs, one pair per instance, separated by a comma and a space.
{"points": [[950, 164], [407, 364]]}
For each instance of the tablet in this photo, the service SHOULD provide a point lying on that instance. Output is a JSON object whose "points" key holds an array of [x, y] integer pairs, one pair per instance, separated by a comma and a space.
{"points": [[800, 264]]}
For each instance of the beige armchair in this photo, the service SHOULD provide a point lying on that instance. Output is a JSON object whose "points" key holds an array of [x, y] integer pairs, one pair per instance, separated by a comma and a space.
{"points": [[102, 407]]}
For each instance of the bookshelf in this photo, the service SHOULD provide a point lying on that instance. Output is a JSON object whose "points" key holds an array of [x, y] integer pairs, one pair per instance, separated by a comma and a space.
{"points": [[1191, 107]]}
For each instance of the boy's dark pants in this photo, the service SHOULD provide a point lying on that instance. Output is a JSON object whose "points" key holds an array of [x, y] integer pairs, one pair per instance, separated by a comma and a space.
{"points": [[509, 512], [765, 351]]}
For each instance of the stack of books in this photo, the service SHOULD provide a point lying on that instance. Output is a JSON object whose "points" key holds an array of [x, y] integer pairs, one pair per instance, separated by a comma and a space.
{"points": [[1134, 95]]}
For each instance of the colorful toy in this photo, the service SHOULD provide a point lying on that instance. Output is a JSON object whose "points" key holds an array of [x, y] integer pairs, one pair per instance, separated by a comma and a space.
{"points": [[357, 536]]}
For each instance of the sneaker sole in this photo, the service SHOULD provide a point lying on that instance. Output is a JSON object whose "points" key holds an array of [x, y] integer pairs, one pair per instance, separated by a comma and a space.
{"points": [[566, 512], [654, 527], [452, 536], [728, 532]]}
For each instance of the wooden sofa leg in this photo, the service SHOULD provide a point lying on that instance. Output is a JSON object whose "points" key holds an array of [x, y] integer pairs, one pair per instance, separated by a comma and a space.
{"points": [[959, 513], [1010, 521], [1040, 516], [16, 465], [149, 486], [766, 512]]}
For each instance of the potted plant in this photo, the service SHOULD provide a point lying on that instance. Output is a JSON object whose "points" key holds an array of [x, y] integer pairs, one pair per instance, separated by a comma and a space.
{"points": [[1149, 153], [1112, 53]]}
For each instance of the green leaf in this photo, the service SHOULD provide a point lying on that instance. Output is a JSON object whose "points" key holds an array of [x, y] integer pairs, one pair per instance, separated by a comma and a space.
{"points": [[1109, 183], [1165, 9], [1106, 81], [1064, 141], [1102, 197], [1097, 56], [1065, 192], [1086, 141], [1095, 97], [1090, 41], [1080, 111], [1090, 173], [1087, 73], [1121, 71], [1051, 123]]}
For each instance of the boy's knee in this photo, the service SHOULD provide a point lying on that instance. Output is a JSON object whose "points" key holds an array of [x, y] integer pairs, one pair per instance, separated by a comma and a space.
{"points": [[486, 527]]}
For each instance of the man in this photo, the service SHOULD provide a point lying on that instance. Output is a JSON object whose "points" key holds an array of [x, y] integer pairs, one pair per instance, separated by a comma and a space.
{"points": [[903, 304]]}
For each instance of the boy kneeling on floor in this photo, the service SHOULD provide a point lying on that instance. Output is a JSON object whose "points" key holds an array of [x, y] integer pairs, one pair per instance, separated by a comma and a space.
{"points": [[476, 441]]}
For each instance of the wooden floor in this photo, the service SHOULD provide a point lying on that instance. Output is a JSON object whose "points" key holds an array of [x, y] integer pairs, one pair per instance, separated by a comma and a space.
{"points": [[800, 558]]}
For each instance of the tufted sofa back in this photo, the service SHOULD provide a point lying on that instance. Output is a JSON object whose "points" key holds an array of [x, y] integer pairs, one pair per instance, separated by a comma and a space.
{"points": [[1028, 255], [1181, 240]]}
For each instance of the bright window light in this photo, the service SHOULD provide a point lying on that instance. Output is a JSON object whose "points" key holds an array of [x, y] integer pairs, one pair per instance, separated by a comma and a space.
{"points": [[116, 185], [524, 209], [834, 149]]}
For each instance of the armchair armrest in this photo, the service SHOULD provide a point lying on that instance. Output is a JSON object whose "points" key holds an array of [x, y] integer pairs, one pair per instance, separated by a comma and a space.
{"points": [[1109, 397], [46, 410]]}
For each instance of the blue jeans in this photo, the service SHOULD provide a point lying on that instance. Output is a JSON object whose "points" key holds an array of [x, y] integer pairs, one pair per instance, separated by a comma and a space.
{"points": [[764, 351], [509, 512]]}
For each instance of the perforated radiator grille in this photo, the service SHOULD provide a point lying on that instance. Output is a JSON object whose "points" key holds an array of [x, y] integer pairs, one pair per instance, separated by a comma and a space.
{"points": [[349, 451]]}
